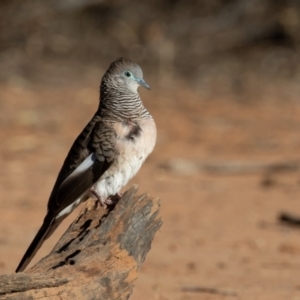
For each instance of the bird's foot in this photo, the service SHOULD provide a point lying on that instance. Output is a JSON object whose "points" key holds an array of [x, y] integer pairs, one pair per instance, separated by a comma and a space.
{"points": [[98, 198], [111, 200]]}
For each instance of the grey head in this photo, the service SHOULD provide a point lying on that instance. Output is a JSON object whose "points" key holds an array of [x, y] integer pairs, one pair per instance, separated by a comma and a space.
{"points": [[124, 74]]}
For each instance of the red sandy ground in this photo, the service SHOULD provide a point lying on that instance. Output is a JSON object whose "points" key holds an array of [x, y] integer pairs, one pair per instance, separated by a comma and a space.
{"points": [[220, 229]]}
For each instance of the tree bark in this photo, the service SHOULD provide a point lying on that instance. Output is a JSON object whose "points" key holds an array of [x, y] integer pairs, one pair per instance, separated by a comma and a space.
{"points": [[97, 258]]}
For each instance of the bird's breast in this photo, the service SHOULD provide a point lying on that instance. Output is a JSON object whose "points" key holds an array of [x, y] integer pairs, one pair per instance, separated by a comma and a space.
{"points": [[134, 145], [132, 152]]}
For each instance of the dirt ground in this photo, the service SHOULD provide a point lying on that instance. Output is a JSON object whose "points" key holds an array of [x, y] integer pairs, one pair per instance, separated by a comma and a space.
{"points": [[219, 201]]}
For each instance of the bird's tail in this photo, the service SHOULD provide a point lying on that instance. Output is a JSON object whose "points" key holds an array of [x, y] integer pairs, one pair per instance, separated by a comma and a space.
{"points": [[45, 231]]}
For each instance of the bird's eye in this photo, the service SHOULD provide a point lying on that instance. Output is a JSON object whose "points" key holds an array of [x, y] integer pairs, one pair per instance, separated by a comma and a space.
{"points": [[127, 74]]}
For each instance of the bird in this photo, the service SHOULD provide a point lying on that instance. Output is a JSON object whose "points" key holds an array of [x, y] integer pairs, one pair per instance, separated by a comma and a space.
{"points": [[107, 153]]}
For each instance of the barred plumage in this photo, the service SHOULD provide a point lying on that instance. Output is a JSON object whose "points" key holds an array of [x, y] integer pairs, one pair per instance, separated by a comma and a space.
{"points": [[108, 152]]}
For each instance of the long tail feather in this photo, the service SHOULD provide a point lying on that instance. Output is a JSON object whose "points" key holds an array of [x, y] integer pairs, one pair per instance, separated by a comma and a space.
{"points": [[35, 245]]}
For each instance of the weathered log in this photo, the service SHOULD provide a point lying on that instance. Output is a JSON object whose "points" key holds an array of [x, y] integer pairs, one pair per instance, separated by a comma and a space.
{"points": [[97, 258]]}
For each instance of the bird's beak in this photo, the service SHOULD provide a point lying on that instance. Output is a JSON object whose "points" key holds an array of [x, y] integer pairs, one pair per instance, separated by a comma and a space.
{"points": [[143, 83]]}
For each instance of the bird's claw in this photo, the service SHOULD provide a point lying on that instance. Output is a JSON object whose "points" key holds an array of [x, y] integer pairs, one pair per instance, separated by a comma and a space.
{"points": [[111, 200]]}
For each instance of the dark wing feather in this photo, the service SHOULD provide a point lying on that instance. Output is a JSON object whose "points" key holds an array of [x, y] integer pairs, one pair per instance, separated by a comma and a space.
{"points": [[75, 186], [79, 151], [101, 144]]}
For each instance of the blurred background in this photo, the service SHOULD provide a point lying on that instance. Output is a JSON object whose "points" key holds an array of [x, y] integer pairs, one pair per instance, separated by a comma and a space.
{"points": [[225, 96]]}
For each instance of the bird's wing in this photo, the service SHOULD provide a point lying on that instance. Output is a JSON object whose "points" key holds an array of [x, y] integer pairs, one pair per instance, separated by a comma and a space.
{"points": [[101, 150], [79, 151]]}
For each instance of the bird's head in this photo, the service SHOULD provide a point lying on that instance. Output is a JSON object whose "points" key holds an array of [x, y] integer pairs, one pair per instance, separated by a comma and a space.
{"points": [[127, 74]]}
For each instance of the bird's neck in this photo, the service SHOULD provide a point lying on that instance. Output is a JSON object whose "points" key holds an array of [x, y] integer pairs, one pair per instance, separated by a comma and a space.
{"points": [[121, 105]]}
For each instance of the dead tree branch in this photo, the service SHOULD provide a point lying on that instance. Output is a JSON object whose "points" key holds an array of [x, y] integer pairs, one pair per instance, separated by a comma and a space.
{"points": [[97, 258]]}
